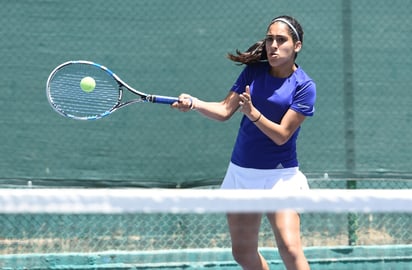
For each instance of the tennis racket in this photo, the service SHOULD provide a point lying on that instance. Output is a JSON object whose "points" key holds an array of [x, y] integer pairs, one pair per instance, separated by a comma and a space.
{"points": [[101, 95]]}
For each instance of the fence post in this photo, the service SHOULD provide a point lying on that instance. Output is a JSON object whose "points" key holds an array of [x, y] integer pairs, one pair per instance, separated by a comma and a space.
{"points": [[348, 94]]}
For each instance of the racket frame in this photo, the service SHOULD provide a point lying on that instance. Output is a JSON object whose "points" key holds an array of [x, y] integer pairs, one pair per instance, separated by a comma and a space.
{"points": [[143, 97]]}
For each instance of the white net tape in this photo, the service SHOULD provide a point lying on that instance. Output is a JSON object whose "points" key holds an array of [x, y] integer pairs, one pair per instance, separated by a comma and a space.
{"points": [[201, 200]]}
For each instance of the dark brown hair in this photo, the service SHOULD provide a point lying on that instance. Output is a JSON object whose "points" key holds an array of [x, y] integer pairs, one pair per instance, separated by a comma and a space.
{"points": [[257, 52]]}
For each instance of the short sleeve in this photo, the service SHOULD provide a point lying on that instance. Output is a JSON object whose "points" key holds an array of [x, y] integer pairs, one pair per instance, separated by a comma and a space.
{"points": [[242, 81], [246, 77], [304, 99]]}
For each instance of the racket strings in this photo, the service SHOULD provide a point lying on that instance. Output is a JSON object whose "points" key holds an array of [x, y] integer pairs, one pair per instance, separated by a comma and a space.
{"points": [[68, 98]]}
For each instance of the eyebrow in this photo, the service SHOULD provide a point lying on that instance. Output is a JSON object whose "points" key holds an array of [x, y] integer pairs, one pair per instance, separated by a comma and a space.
{"points": [[278, 35]]}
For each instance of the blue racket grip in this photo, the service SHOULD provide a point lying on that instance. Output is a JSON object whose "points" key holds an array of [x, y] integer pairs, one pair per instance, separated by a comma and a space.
{"points": [[163, 99]]}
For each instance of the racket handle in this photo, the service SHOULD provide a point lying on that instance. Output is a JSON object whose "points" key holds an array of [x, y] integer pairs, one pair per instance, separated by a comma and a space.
{"points": [[162, 99]]}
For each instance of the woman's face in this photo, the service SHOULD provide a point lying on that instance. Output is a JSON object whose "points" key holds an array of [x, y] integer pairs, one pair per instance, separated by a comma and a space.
{"points": [[280, 47]]}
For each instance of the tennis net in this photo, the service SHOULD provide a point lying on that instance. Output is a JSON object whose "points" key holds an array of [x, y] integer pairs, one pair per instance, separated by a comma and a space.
{"points": [[186, 228]]}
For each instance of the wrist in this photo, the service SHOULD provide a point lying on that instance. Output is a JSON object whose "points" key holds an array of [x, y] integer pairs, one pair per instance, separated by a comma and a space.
{"points": [[257, 118], [193, 102]]}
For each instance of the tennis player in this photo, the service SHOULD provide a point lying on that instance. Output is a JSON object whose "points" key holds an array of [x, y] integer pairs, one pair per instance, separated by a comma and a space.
{"points": [[275, 95]]}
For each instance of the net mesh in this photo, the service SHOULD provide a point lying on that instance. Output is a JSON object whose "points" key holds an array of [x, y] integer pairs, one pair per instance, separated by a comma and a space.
{"points": [[156, 228]]}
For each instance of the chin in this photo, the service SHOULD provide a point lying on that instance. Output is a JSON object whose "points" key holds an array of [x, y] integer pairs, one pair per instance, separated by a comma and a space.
{"points": [[274, 62]]}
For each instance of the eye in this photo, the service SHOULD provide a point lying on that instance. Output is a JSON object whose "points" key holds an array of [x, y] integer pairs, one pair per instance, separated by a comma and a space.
{"points": [[281, 39], [269, 39]]}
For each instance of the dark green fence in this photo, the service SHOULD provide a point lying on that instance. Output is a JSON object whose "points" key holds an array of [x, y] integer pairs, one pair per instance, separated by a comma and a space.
{"points": [[357, 52]]}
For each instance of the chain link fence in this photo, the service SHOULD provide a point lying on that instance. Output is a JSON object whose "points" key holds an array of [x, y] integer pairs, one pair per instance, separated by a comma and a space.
{"points": [[27, 234], [356, 51]]}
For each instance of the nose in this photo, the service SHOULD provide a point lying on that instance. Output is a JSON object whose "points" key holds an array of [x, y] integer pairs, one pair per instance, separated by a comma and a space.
{"points": [[272, 43]]}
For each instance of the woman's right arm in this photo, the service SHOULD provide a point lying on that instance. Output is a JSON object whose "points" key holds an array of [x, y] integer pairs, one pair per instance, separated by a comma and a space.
{"points": [[220, 111]]}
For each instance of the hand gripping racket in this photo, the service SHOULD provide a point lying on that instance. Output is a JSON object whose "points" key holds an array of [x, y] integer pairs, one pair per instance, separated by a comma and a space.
{"points": [[85, 90]]}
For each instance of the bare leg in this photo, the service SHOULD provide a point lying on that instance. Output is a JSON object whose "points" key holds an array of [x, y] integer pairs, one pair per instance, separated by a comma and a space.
{"points": [[286, 227], [244, 232]]}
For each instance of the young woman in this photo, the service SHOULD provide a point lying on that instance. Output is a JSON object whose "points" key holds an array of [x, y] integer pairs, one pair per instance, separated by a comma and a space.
{"points": [[275, 95]]}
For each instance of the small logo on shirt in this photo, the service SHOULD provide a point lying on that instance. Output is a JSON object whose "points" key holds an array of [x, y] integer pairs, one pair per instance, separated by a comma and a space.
{"points": [[303, 106]]}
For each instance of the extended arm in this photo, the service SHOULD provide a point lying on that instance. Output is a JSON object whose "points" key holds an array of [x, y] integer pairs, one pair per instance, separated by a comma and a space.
{"points": [[223, 110], [220, 111]]}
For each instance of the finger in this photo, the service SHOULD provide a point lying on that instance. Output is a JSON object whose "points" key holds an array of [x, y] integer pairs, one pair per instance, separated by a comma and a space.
{"points": [[247, 89], [244, 97], [175, 104]]}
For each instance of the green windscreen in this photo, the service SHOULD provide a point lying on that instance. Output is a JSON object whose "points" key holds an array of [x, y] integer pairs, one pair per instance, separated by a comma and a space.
{"points": [[356, 51]]}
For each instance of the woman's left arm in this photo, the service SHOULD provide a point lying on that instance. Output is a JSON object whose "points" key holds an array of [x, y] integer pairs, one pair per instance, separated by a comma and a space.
{"points": [[281, 133], [278, 133]]}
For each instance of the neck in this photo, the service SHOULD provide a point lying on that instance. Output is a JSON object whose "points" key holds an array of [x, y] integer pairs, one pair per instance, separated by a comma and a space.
{"points": [[283, 72]]}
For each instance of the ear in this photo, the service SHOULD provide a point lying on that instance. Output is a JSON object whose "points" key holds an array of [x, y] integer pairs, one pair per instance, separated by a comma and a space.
{"points": [[298, 46]]}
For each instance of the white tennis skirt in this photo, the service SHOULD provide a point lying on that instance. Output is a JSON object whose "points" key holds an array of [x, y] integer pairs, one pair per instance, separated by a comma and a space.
{"points": [[280, 179]]}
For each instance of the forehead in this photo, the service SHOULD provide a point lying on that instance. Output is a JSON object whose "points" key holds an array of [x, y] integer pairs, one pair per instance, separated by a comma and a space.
{"points": [[278, 28]]}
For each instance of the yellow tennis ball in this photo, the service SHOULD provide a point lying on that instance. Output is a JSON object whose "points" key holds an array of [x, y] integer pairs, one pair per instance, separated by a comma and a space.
{"points": [[87, 84]]}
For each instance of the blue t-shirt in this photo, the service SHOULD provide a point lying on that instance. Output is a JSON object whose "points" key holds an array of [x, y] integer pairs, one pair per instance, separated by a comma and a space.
{"points": [[272, 97]]}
